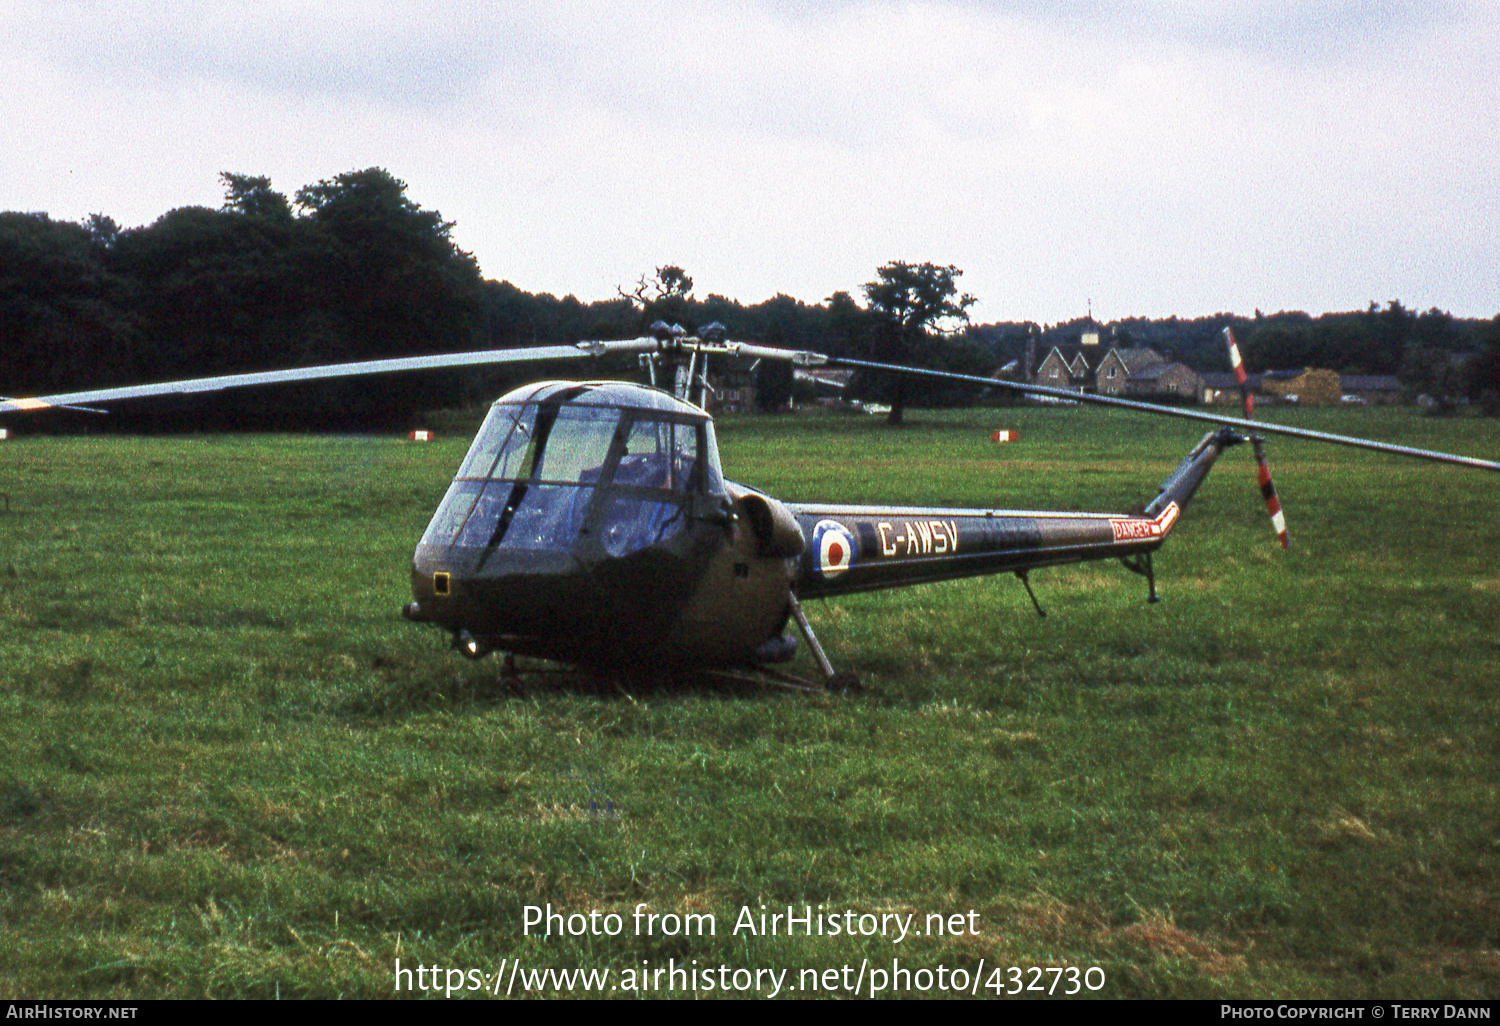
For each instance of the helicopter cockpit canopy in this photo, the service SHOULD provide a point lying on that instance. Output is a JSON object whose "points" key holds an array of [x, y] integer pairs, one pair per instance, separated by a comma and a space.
{"points": [[557, 465]]}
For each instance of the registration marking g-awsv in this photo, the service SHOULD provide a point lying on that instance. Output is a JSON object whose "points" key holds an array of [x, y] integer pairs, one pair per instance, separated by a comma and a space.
{"points": [[919, 537]]}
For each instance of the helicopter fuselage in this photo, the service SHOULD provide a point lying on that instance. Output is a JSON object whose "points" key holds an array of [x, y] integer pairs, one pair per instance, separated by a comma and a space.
{"points": [[590, 523]]}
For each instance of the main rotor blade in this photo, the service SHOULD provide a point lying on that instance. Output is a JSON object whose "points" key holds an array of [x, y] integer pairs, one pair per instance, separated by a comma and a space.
{"points": [[1173, 411], [75, 409], [335, 370]]}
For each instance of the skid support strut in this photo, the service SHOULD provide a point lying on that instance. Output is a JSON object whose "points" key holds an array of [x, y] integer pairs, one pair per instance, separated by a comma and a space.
{"points": [[831, 680], [1141, 564], [1026, 580]]}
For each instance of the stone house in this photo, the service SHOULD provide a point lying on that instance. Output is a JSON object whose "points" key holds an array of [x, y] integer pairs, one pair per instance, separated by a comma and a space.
{"points": [[1165, 381], [1140, 372], [1065, 367], [1120, 366]]}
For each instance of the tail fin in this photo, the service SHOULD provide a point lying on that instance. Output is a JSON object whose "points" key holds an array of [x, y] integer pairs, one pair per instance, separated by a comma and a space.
{"points": [[1183, 482]]}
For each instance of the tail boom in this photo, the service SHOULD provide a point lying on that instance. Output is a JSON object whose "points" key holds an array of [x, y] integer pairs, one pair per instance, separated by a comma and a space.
{"points": [[1182, 484], [864, 548]]}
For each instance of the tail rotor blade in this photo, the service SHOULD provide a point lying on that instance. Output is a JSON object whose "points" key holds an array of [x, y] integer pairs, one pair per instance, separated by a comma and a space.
{"points": [[1239, 373], [1268, 489], [1263, 469]]}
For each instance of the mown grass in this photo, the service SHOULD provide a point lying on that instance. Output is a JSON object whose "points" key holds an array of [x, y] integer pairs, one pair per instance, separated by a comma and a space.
{"points": [[229, 769]]}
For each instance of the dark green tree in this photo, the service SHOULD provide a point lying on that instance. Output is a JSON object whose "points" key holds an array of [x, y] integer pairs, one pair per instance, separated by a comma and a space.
{"points": [[388, 269], [63, 314], [102, 231], [1280, 344], [1487, 368], [665, 297], [915, 309], [388, 281], [254, 197], [774, 378], [848, 325], [1387, 333], [216, 292]]}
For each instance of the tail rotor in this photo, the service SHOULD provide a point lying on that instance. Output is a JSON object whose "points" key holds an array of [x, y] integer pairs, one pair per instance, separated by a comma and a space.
{"points": [[1263, 469], [1268, 489], [1239, 373]]}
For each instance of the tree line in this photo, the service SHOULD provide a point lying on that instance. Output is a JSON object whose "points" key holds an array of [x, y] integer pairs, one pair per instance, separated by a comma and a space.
{"points": [[350, 268]]}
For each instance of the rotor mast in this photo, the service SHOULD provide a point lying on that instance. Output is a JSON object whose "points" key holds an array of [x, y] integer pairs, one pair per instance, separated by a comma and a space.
{"points": [[681, 360]]}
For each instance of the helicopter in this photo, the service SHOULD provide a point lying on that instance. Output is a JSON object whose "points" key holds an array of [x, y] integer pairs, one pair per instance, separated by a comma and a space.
{"points": [[591, 524]]}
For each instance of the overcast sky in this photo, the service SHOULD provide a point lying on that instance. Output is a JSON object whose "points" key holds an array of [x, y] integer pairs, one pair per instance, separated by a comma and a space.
{"points": [[1155, 157]]}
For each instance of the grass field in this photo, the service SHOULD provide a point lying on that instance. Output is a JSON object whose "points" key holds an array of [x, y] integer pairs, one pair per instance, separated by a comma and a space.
{"points": [[228, 768]]}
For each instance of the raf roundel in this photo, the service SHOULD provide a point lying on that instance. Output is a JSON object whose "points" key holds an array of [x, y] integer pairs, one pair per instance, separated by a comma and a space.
{"points": [[836, 547]]}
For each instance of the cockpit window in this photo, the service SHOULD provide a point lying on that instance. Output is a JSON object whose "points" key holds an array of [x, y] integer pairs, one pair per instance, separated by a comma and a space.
{"points": [[503, 444], [531, 476], [577, 444], [659, 470], [660, 454], [528, 479]]}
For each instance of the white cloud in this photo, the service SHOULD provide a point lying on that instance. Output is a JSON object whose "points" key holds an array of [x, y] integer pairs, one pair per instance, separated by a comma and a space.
{"points": [[1160, 157]]}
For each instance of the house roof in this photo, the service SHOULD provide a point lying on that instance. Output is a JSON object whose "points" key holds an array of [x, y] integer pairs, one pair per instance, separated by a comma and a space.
{"points": [[1069, 355], [1156, 370], [1224, 380], [1136, 360]]}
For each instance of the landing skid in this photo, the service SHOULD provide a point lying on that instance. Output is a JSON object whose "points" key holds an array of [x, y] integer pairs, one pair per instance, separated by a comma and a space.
{"points": [[514, 679], [843, 683]]}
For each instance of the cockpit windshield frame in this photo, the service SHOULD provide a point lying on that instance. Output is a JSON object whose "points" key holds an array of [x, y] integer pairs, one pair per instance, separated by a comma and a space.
{"points": [[628, 473]]}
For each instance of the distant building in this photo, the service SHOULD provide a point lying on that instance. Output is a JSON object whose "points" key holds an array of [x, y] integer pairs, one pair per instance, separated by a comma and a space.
{"points": [[1120, 366], [1064, 367], [1223, 387], [1165, 381], [1140, 372], [1069, 364], [1093, 365], [1317, 387], [1312, 386], [1375, 389]]}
